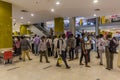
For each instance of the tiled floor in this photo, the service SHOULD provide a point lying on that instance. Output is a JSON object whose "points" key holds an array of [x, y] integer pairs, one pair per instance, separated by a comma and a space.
{"points": [[34, 70]]}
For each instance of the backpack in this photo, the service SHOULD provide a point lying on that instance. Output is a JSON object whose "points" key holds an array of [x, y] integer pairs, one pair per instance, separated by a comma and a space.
{"points": [[112, 46], [48, 44], [58, 43]]}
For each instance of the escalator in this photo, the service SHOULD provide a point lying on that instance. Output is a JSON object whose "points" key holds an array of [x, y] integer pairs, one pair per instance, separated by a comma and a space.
{"points": [[42, 29]]}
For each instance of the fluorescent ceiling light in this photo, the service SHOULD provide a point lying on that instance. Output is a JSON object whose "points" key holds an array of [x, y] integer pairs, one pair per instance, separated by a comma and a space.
{"points": [[21, 18], [95, 1], [29, 22], [57, 3], [94, 15], [32, 14], [14, 20], [52, 10]]}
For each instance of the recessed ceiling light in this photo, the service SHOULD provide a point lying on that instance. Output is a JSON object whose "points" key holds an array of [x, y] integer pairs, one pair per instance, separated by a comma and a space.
{"points": [[14, 20], [52, 10], [21, 18], [57, 3], [95, 1], [94, 15], [32, 14], [29, 22]]}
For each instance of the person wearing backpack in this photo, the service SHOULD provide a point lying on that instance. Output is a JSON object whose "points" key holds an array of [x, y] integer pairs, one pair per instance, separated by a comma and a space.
{"points": [[49, 46], [71, 44], [109, 52], [62, 53]]}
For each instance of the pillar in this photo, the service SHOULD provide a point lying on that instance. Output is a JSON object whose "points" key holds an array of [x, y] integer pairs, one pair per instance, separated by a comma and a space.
{"points": [[103, 20], [23, 29], [72, 25], [59, 26], [97, 26], [5, 25]]}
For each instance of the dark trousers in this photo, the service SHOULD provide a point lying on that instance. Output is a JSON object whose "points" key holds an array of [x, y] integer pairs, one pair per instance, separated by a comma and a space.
{"points": [[88, 53], [18, 51], [85, 56], [71, 53], [33, 48], [43, 53], [49, 52], [98, 55], [63, 56]]}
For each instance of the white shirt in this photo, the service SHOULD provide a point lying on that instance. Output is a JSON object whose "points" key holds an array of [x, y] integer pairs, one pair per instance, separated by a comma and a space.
{"points": [[43, 46], [55, 42], [62, 45]]}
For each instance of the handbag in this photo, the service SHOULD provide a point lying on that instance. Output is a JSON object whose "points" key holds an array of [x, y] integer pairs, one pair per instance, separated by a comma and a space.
{"points": [[59, 60]]}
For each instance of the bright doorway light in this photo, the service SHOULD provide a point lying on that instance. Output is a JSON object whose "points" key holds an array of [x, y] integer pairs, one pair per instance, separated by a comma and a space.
{"points": [[95, 1]]}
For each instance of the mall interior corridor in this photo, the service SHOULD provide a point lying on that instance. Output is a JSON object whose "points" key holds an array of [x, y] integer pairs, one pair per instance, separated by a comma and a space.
{"points": [[34, 70]]}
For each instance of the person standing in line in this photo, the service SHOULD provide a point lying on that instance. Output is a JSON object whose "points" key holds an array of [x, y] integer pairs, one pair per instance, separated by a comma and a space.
{"points": [[49, 46], [36, 44], [88, 47], [107, 51], [18, 47], [101, 46], [32, 45], [43, 49], [118, 61], [55, 47], [97, 40], [62, 48], [110, 50], [25, 47], [71, 45], [77, 46], [83, 52]]}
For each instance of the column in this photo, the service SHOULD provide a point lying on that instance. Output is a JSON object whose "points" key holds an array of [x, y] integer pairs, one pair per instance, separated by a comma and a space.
{"points": [[5, 25], [23, 29], [97, 30], [72, 26], [59, 26]]}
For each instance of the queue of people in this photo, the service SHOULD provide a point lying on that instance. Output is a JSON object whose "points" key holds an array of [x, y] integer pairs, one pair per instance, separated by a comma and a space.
{"points": [[68, 48]]}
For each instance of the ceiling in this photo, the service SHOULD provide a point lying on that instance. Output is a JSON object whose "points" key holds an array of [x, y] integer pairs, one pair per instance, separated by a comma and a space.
{"points": [[67, 8]]}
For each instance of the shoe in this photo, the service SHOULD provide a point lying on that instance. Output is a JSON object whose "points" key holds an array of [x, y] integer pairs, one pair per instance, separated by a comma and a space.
{"points": [[68, 67], [101, 64], [41, 61], [81, 64], [108, 69], [69, 60], [87, 66], [97, 57], [20, 58], [58, 65], [47, 61], [24, 60], [76, 58], [30, 59]]}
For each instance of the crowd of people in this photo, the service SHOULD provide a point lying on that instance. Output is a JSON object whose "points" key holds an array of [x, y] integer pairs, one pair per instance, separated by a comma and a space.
{"points": [[68, 48]]}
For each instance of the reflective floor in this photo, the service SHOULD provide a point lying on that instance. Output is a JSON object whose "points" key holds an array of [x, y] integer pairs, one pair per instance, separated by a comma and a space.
{"points": [[34, 70]]}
